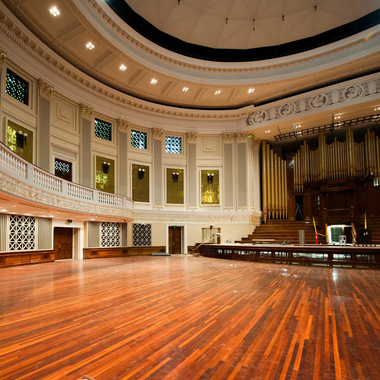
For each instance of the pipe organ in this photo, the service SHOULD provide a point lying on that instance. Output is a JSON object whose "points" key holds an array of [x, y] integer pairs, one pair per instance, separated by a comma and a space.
{"points": [[337, 160], [274, 185]]}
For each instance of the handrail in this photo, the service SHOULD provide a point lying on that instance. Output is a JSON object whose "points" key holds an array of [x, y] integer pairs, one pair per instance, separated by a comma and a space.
{"points": [[19, 167]]}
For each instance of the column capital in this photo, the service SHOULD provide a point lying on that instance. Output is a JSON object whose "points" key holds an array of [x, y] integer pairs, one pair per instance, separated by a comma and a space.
{"points": [[192, 137], [228, 138], [123, 125], [158, 133], [45, 89], [3, 56], [241, 137], [86, 111]]}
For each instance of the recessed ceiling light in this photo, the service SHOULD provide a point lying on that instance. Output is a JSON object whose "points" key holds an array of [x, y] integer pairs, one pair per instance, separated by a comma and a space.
{"points": [[337, 117], [123, 67], [153, 81], [185, 89], [90, 46], [377, 109], [3, 210], [54, 11], [251, 90], [217, 92], [268, 131], [14, 206]]}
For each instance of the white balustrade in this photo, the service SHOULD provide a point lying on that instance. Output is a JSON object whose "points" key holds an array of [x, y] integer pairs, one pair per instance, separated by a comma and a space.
{"points": [[31, 174], [78, 191], [10, 161]]}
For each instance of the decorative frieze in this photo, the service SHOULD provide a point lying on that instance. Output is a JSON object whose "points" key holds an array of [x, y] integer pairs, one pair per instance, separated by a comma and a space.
{"points": [[228, 138], [241, 137], [123, 125], [86, 112], [45, 90], [316, 102], [192, 137], [158, 133]]}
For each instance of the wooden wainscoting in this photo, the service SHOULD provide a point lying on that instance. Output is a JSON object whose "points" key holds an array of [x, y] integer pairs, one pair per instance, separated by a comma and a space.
{"points": [[93, 253], [8, 259]]}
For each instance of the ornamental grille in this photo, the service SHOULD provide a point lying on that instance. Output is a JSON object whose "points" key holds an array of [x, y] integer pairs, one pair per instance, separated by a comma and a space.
{"points": [[22, 233], [173, 144], [62, 166], [110, 234], [142, 234], [103, 130], [17, 88], [139, 139]]}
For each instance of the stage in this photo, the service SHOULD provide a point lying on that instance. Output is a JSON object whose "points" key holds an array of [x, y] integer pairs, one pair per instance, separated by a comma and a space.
{"points": [[310, 254]]}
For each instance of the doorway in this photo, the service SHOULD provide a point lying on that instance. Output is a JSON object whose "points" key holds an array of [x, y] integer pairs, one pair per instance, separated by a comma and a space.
{"points": [[175, 240], [63, 243]]}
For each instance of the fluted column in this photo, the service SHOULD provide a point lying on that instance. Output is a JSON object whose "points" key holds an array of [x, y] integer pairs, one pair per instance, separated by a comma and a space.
{"points": [[43, 128], [228, 169], [123, 176], [157, 187], [192, 177], [86, 142], [241, 164], [3, 56]]}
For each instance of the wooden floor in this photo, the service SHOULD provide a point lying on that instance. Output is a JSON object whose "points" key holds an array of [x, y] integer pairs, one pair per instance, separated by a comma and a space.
{"points": [[188, 318]]}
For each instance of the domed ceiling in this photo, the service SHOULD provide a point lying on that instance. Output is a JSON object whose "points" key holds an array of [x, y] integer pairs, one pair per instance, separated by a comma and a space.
{"points": [[209, 54]]}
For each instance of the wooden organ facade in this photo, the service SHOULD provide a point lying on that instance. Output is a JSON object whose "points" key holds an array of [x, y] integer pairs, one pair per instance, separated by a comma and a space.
{"points": [[336, 183]]}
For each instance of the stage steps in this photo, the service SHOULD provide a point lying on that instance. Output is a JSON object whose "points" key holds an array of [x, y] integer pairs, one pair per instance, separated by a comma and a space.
{"points": [[278, 231]]}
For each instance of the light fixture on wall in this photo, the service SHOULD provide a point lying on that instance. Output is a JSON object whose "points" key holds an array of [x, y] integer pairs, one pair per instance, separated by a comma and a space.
{"points": [[106, 167], [210, 177], [175, 176], [21, 139], [141, 173]]}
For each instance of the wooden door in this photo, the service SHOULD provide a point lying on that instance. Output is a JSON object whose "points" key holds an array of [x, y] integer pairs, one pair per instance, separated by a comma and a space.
{"points": [[175, 240], [63, 243]]}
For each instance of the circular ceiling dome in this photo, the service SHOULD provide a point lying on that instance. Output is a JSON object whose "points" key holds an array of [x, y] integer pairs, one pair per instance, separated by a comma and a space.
{"points": [[246, 30]]}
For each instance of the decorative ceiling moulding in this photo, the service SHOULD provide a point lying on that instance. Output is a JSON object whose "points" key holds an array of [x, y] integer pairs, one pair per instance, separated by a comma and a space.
{"points": [[330, 98], [131, 43], [45, 90], [249, 217], [34, 57]]}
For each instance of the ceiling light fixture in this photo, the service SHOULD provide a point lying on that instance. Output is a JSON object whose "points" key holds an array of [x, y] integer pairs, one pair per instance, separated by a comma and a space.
{"points": [[54, 11], [185, 89], [123, 67], [217, 92], [251, 90], [267, 131], [90, 46], [153, 81]]}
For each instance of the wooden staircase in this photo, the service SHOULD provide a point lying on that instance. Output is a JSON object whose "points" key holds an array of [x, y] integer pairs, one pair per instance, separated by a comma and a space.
{"points": [[278, 231]]}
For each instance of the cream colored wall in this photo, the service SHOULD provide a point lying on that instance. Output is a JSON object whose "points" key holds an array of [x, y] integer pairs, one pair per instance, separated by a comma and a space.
{"points": [[159, 234]]}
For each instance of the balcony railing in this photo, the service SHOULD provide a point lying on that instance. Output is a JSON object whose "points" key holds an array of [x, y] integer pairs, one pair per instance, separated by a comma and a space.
{"points": [[19, 168]]}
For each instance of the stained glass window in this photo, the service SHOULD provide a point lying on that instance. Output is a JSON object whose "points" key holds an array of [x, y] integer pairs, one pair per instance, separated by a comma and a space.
{"points": [[173, 145], [17, 87], [103, 130], [139, 139]]}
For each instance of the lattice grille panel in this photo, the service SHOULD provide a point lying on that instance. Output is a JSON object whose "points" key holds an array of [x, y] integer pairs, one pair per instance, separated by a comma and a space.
{"points": [[17, 87], [142, 234], [139, 139], [103, 130], [110, 234], [62, 166], [173, 144], [22, 233]]}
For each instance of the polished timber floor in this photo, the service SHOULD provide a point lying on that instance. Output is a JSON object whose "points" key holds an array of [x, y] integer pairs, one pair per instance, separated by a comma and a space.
{"points": [[188, 318]]}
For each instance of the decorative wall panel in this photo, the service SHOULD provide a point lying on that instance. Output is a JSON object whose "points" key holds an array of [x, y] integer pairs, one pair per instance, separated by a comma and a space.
{"points": [[174, 186], [27, 151], [142, 234], [110, 234], [140, 183], [22, 233], [105, 181]]}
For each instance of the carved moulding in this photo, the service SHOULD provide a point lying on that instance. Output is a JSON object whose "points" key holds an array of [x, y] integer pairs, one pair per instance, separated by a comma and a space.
{"points": [[20, 189], [123, 125], [158, 133], [198, 218], [86, 112], [228, 138], [192, 137], [45, 90]]}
